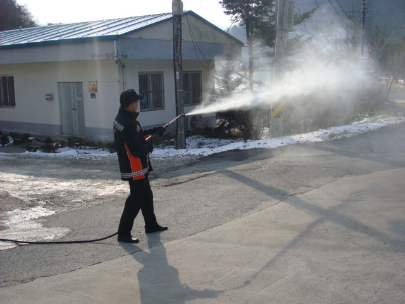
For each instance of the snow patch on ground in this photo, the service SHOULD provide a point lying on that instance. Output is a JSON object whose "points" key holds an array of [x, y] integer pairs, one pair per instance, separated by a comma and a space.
{"points": [[22, 227]]}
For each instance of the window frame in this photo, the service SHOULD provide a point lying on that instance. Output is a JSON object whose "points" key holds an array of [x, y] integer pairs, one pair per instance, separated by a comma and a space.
{"points": [[189, 93], [7, 100], [151, 93]]}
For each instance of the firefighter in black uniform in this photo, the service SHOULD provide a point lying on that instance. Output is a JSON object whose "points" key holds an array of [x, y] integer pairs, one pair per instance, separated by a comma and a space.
{"points": [[133, 157]]}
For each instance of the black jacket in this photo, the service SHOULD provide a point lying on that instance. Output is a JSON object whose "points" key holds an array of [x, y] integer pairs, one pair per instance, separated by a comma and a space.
{"points": [[132, 149]]}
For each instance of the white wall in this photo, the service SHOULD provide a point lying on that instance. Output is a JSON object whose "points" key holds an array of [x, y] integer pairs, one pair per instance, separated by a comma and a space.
{"points": [[32, 81]]}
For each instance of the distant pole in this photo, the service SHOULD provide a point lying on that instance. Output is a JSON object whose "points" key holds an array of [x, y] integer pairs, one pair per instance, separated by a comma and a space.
{"points": [[280, 50], [363, 23], [177, 10], [284, 24]]}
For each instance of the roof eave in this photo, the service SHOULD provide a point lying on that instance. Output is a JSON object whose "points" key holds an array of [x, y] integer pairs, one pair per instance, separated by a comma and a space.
{"points": [[59, 42]]}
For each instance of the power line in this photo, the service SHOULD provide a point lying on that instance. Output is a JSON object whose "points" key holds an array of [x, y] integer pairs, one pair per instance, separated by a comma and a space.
{"points": [[203, 10], [197, 46], [299, 12], [337, 13], [341, 7]]}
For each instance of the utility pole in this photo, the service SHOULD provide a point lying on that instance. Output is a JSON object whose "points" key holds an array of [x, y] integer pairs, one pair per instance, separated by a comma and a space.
{"points": [[177, 10], [282, 28], [284, 24], [363, 23]]}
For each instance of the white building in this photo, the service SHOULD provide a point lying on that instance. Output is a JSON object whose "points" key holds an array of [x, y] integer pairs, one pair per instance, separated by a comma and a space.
{"points": [[66, 79]]}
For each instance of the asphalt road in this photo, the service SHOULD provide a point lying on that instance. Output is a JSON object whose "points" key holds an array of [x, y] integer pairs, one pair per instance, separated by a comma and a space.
{"points": [[220, 189]]}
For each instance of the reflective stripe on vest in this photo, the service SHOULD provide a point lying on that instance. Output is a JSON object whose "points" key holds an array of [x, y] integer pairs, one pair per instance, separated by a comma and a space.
{"points": [[135, 174], [136, 167], [118, 125]]}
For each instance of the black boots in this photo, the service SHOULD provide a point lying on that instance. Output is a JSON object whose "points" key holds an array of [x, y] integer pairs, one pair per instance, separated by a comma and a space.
{"points": [[148, 229], [155, 228], [127, 239]]}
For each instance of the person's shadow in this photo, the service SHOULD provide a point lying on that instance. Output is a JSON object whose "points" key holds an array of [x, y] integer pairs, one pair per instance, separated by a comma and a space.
{"points": [[159, 282]]}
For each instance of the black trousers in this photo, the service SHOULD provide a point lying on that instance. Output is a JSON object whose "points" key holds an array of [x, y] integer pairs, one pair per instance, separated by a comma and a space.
{"points": [[140, 198]]}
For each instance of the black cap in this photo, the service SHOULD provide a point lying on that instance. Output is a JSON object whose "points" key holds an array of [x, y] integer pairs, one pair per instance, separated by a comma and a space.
{"points": [[129, 96]]}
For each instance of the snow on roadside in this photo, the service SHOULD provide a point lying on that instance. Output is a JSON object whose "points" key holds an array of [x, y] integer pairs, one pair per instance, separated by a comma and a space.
{"points": [[200, 146]]}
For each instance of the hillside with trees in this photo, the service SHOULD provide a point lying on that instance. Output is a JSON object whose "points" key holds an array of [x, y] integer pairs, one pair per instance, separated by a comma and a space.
{"points": [[14, 16]]}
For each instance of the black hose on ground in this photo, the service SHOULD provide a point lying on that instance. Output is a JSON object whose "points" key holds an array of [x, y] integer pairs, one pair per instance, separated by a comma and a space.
{"points": [[58, 242]]}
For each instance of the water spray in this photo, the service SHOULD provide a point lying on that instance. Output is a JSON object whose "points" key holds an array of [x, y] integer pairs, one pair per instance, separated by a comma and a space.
{"points": [[344, 75]]}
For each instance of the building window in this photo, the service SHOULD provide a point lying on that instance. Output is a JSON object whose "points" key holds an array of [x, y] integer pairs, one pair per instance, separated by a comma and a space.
{"points": [[192, 87], [151, 86], [7, 96]]}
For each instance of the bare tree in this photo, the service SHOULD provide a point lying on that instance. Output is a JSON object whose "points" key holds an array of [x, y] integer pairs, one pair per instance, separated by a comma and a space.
{"points": [[393, 60]]}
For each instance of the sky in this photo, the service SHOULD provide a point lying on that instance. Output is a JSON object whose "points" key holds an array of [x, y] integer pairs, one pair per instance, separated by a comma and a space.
{"points": [[21, 224], [62, 11]]}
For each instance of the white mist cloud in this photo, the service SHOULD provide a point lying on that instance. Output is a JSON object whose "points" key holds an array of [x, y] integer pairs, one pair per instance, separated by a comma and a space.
{"points": [[324, 65]]}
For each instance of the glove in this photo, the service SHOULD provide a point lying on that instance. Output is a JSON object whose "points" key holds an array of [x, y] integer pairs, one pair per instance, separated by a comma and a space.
{"points": [[149, 147], [162, 131], [159, 130]]}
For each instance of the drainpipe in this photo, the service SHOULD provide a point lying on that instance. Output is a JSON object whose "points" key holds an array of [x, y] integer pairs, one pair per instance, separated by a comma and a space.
{"points": [[121, 66]]}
